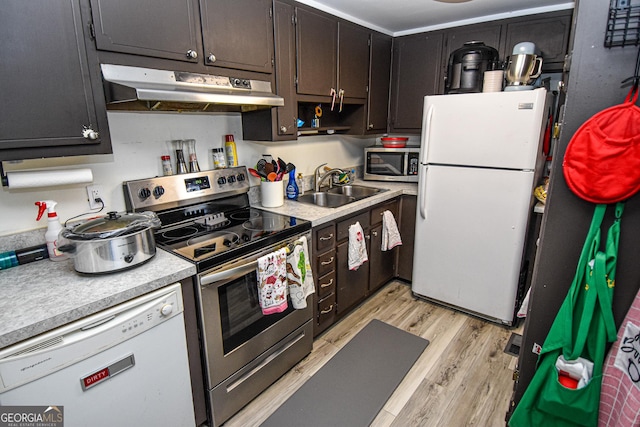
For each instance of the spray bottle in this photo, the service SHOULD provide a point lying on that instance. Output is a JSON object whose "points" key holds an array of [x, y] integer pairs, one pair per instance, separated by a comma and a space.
{"points": [[53, 229]]}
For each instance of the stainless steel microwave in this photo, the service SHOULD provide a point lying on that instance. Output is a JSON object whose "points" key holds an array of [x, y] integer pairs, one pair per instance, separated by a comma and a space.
{"points": [[391, 164]]}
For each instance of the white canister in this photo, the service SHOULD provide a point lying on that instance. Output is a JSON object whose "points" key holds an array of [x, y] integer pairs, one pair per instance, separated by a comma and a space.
{"points": [[272, 193]]}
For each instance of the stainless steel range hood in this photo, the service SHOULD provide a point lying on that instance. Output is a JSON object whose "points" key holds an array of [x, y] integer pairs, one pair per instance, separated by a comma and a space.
{"points": [[135, 88]]}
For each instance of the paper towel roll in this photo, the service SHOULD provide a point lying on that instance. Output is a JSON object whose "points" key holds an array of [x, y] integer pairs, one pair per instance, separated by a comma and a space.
{"points": [[48, 178]]}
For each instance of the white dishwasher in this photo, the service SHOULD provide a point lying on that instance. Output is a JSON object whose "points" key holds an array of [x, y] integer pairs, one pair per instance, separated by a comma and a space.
{"points": [[125, 366]]}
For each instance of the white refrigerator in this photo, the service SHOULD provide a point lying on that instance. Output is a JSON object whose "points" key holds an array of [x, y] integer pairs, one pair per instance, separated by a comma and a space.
{"points": [[480, 156]]}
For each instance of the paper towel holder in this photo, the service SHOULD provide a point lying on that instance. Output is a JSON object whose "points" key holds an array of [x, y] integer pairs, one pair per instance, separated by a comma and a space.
{"points": [[5, 180]]}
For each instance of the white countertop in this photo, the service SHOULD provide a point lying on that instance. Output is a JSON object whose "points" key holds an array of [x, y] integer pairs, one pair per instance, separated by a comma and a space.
{"points": [[43, 295]]}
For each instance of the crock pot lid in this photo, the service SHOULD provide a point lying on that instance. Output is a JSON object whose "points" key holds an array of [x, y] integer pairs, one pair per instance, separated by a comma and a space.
{"points": [[114, 224]]}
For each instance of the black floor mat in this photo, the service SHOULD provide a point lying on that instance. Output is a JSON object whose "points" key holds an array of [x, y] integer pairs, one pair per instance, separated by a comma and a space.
{"points": [[513, 345]]}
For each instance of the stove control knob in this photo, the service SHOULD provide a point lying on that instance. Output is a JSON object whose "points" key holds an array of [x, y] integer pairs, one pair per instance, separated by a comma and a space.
{"points": [[241, 177], [144, 193], [246, 237], [227, 243], [222, 180], [128, 258], [158, 191], [231, 179], [166, 309]]}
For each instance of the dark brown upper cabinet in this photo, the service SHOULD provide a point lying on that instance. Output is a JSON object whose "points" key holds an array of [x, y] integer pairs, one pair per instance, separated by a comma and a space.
{"points": [[167, 29], [353, 60], [278, 123], [238, 34], [52, 100], [415, 74], [330, 55], [379, 83], [550, 33], [317, 52], [489, 33]]}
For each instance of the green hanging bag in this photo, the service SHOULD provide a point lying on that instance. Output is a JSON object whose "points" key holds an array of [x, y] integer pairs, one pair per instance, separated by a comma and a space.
{"points": [[583, 326]]}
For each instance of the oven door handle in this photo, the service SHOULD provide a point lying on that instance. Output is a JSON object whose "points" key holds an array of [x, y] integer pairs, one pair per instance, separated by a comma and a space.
{"points": [[238, 271]]}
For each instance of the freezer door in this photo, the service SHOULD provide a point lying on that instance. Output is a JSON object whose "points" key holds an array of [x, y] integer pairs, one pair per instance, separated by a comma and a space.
{"points": [[470, 230], [497, 129]]}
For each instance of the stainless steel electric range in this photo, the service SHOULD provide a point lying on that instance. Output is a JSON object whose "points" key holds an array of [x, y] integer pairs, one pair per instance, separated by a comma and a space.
{"points": [[206, 219]]}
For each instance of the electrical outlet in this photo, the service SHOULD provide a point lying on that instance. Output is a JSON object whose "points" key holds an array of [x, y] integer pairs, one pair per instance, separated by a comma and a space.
{"points": [[95, 192]]}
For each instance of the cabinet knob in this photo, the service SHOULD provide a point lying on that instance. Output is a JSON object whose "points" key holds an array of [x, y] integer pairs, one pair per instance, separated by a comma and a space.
{"points": [[370, 126], [329, 237], [90, 134], [328, 310], [326, 285], [192, 54], [375, 233], [211, 58], [283, 129], [327, 262]]}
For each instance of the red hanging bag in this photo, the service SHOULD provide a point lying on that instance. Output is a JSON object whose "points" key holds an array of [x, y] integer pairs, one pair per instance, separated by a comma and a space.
{"points": [[602, 161]]}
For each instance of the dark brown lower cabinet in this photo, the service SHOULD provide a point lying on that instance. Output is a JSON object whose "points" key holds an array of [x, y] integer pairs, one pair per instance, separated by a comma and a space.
{"points": [[339, 289]]}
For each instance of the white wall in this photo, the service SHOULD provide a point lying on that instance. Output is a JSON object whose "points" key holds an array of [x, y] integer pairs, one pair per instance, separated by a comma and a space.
{"points": [[139, 139]]}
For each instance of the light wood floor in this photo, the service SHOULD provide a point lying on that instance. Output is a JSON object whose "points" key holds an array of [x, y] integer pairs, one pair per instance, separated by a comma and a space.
{"points": [[463, 378]]}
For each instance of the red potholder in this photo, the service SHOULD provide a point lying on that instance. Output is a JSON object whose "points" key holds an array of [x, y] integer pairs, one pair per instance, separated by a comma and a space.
{"points": [[602, 161]]}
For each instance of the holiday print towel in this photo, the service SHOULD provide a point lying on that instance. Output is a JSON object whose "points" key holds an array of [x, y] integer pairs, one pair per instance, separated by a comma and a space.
{"points": [[272, 282]]}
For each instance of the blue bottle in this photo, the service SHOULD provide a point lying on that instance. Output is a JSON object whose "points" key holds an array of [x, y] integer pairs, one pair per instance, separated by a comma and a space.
{"points": [[292, 188]]}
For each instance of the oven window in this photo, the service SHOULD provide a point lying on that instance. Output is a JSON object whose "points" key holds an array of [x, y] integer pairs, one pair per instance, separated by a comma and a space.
{"points": [[240, 312], [391, 164]]}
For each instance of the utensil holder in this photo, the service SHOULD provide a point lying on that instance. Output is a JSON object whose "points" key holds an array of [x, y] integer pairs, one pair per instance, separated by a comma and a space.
{"points": [[272, 193]]}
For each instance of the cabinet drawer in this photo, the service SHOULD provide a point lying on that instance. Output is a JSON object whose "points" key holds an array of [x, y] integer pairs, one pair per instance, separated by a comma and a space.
{"points": [[376, 212], [343, 226], [325, 263], [326, 284], [325, 237], [326, 309]]}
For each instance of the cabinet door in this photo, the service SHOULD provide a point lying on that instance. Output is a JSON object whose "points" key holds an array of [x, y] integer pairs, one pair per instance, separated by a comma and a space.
{"points": [[550, 34], [353, 60], [381, 263], [379, 81], [168, 29], [352, 284], [416, 73], [51, 86], [407, 232], [285, 43], [238, 34], [456, 38], [317, 50]]}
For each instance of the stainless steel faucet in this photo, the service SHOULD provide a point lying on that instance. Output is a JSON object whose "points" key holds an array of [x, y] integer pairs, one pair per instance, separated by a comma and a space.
{"points": [[319, 179]]}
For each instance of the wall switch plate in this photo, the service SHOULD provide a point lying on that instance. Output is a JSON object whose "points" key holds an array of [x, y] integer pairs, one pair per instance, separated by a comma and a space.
{"points": [[95, 192]]}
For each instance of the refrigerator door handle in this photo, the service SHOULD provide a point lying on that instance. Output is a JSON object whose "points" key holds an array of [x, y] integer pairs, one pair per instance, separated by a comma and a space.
{"points": [[426, 134], [422, 192]]}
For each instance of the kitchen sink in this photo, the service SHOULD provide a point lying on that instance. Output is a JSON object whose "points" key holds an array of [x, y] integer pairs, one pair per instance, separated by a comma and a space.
{"points": [[357, 191], [328, 200], [338, 196]]}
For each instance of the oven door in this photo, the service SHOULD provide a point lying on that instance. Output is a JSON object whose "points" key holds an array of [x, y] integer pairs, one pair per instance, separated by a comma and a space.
{"points": [[235, 331]]}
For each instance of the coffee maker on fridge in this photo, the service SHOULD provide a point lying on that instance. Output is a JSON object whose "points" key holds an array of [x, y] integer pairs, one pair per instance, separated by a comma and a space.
{"points": [[523, 67]]}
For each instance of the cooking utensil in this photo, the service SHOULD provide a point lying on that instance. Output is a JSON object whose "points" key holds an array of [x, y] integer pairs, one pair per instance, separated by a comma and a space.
{"points": [[111, 243], [289, 167], [260, 164], [257, 174], [268, 168], [272, 176]]}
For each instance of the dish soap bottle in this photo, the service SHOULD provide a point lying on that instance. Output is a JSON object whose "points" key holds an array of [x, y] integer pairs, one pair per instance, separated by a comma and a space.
{"points": [[53, 229], [292, 187], [230, 149]]}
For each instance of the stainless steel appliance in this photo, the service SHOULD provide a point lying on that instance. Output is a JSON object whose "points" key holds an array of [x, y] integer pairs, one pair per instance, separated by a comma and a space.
{"points": [[466, 67], [206, 219], [523, 66], [391, 164]]}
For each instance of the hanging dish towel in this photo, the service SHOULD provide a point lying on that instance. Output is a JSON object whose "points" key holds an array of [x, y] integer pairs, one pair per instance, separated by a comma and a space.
{"points": [[390, 234], [620, 394], [357, 247], [272, 282], [299, 277]]}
